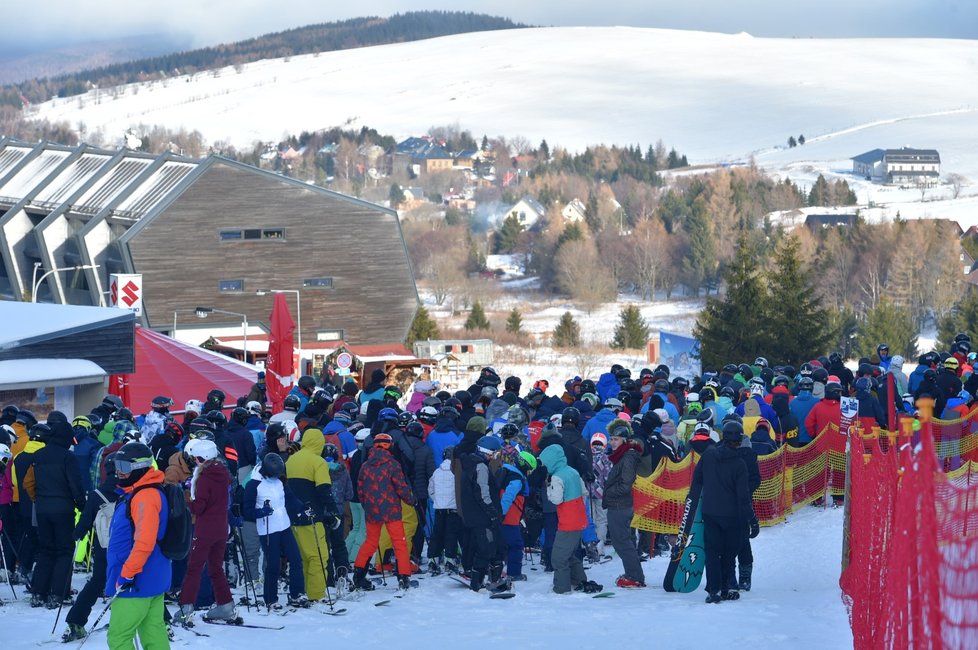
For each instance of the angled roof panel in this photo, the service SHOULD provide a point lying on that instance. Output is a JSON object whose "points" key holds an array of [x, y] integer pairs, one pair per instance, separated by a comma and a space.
{"points": [[154, 189], [17, 187], [11, 155], [111, 185], [70, 179]]}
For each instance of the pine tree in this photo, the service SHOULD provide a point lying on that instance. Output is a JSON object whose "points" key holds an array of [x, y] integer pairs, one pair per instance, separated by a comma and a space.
{"points": [[733, 327], [508, 235], [567, 334], [423, 327], [799, 323], [801, 139], [477, 318], [632, 331], [514, 323], [591, 213], [485, 143], [819, 194], [791, 142], [963, 317], [396, 195], [544, 151], [889, 324], [699, 264]]}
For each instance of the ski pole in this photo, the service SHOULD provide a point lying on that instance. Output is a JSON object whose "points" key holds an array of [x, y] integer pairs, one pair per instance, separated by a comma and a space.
{"points": [[98, 620], [6, 571], [61, 596], [239, 540], [13, 548], [319, 550]]}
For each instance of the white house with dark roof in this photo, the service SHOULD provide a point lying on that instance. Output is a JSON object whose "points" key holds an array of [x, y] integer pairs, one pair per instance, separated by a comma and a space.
{"points": [[574, 212], [527, 211], [905, 166]]}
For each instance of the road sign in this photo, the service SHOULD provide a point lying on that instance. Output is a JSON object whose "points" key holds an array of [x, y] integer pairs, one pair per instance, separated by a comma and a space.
{"points": [[344, 360]]}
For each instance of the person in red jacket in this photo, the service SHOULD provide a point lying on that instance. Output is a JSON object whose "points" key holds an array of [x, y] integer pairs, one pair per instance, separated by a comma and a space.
{"points": [[209, 505], [382, 488], [826, 411]]}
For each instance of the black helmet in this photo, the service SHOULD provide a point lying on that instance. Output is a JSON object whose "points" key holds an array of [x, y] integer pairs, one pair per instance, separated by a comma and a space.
{"points": [[133, 460], [114, 402], [863, 384], [587, 386], [162, 402], [930, 374], [405, 418], [272, 465], [123, 414], [820, 375], [570, 415], [780, 380], [306, 383], [661, 386], [218, 418], [449, 413], [730, 368], [109, 464], [432, 400], [10, 412], [628, 384], [240, 415], [733, 431], [465, 397], [680, 383], [835, 358], [174, 430], [706, 415], [455, 403], [806, 369], [331, 452], [806, 383], [40, 431], [727, 391], [623, 373], [745, 371], [513, 384], [509, 430], [275, 431], [488, 377], [216, 395], [200, 426], [415, 430], [292, 402]]}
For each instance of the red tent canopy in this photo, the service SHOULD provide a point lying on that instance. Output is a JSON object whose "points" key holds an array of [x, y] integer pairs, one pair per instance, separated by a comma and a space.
{"points": [[165, 366]]}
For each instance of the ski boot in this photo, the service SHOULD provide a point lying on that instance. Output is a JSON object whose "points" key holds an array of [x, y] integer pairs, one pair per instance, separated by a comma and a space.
{"points": [[745, 573], [226, 613], [73, 633], [37, 600], [360, 581], [53, 602], [713, 598], [733, 594], [450, 567], [403, 582], [170, 634], [624, 582], [299, 602], [589, 587], [184, 616], [476, 580], [434, 568], [592, 553]]}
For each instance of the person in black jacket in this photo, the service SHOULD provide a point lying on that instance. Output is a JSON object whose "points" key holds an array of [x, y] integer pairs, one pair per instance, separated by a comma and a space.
{"points": [[104, 495], [745, 556], [422, 464], [627, 451], [164, 445], [721, 478], [482, 513], [58, 491]]}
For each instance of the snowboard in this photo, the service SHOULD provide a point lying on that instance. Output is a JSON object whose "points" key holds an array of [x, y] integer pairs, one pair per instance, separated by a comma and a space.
{"points": [[688, 558]]}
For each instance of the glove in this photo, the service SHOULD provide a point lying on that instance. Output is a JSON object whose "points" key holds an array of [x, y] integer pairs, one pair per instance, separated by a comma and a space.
{"points": [[265, 511], [235, 522], [332, 521], [125, 584], [755, 527]]}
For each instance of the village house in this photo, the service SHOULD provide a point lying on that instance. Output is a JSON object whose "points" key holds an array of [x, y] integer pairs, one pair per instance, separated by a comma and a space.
{"points": [[574, 212], [905, 166]]}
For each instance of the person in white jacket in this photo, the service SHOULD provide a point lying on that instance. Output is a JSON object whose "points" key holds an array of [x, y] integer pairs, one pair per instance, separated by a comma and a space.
{"points": [[265, 504], [448, 524]]}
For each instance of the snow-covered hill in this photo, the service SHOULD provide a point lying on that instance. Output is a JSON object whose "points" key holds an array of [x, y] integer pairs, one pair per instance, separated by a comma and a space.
{"points": [[715, 97]]}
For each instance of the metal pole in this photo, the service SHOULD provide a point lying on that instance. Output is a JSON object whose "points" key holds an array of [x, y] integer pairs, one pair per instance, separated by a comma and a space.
{"points": [[298, 314], [173, 334], [244, 327]]}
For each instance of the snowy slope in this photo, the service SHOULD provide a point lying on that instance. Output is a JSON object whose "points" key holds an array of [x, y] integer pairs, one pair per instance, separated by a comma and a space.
{"points": [[795, 603]]}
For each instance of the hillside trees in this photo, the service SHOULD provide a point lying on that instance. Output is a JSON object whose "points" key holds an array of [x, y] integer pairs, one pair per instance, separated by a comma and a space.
{"points": [[631, 331], [567, 333]]}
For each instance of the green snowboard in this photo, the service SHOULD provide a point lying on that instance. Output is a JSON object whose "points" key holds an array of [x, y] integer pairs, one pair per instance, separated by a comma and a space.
{"points": [[688, 559]]}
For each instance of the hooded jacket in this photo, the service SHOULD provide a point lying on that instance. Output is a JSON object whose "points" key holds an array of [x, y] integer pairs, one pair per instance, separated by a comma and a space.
{"points": [[825, 412], [309, 477], [382, 487], [721, 478], [479, 492], [441, 487], [624, 467], [514, 490], [342, 485], [443, 435], [565, 489], [58, 483], [209, 491], [800, 407], [133, 550]]}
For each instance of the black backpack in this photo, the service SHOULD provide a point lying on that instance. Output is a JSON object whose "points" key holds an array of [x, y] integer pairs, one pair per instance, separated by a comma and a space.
{"points": [[175, 543]]}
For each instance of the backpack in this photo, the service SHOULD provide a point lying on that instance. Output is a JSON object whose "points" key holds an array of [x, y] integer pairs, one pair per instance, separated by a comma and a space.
{"points": [[103, 519], [175, 543]]}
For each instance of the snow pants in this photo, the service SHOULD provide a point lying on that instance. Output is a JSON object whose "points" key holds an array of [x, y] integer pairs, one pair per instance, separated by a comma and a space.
{"points": [[138, 615], [314, 552], [211, 553], [445, 535], [396, 531], [417, 541], [549, 535], [599, 516], [568, 568], [722, 537], [359, 531], [274, 546], [409, 520], [338, 557], [619, 527], [249, 540], [56, 547], [92, 591], [513, 537]]}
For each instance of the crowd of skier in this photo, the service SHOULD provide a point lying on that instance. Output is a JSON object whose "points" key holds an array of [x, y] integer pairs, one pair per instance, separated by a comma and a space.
{"points": [[346, 485]]}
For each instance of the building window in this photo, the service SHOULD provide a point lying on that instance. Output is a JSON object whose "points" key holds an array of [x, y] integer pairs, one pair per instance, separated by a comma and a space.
{"points": [[230, 286], [230, 235], [465, 349], [317, 283], [329, 335], [252, 233], [273, 233]]}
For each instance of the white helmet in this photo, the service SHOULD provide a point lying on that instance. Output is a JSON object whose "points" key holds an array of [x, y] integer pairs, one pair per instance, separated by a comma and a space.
{"points": [[255, 408], [292, 430], [9, 430], [202, 450], [557, 419], [194, 406], [5, 452]]}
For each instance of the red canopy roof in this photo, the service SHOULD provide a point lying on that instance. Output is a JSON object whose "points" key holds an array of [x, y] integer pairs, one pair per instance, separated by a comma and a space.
{"points": [[165, 366]]}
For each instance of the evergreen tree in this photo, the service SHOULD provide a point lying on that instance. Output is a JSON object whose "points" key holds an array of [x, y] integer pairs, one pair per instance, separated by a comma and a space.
{"points": [[567, 334], [673, 160], [396, 195], [963, 317], [632, 331], [514, 323], [699, 265], [423, 327], [889, 324], [544, 151], [799, 323], [819, 194], [791, 142], [801, 139], [732, 328], [485, 143], [572, 232], [477, 318], [591, 213], [507, 236]]}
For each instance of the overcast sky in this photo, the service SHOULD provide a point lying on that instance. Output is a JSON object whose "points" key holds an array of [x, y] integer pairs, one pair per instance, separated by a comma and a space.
{"points": [[215, 21]]}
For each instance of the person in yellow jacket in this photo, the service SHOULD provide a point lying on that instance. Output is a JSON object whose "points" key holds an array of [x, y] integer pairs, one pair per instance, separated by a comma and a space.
{"points": [[308, 476]]}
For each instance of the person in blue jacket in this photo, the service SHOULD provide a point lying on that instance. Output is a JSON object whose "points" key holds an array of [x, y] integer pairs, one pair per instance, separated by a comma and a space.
{"points": [[86, 446], [607, 386], [917, 376], [612, 407], [799, 407], [445, 433], [662, 390]]}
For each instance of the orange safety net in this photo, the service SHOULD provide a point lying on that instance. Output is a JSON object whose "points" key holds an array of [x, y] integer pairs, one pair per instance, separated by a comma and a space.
{"points": [[912, 575]]}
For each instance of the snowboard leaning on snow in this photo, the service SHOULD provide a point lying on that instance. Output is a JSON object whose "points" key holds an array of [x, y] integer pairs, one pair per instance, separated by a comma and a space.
{"points": [[688, 559]]}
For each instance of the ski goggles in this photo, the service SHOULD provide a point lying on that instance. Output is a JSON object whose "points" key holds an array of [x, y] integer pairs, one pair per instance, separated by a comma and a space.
{"points": [[126, 466]]}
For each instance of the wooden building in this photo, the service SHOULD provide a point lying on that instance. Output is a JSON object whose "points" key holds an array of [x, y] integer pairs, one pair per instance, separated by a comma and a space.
{"points": [[208, 232]]}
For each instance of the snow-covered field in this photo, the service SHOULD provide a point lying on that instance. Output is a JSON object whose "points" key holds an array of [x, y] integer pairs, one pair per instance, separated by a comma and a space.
{"points": [[795, 603]]}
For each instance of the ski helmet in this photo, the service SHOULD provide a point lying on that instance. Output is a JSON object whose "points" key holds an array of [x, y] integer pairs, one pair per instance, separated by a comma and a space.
{"points": [[82, 422], [113, 402], [240, 416], [330, 452], [307, 384], [218, 418], [570, 415], [255, 408], [123, 414], [201, 450], [272, 466], [132, 462], [733, 431], [509, 430], [193, 406], [161, 402], [428, 414], [383, 441], [387, 415], [216, 395], [488, 445], [527, 461], [292, 403], [414, 429], [405, 418]]}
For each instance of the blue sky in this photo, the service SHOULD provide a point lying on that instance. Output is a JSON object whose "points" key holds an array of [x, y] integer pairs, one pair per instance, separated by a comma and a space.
{"points": [[218, 21]]}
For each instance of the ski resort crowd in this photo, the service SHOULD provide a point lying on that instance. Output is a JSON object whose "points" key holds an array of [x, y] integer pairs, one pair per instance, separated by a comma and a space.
{"points": [[346, 485]]}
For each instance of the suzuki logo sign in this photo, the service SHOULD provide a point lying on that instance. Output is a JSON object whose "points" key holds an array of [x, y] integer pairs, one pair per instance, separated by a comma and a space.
{"points": [[126, 292]]}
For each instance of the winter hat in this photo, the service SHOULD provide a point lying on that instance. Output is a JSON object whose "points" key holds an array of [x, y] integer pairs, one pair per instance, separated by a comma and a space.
{"points": [[476, 424], [362, 434], [378, 376], [488, 445], [619, 428], [424, 386], [599, 438], [897, 362], [625, 416]]}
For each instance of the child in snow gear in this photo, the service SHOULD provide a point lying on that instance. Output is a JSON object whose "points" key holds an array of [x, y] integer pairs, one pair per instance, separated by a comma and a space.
{"points": [[209, 504], [342, 488], [447, 524], [600, 467], [382, 489], [267, 501], [515, 490], [137, 572]]}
